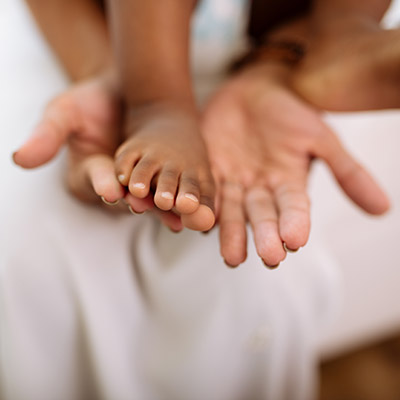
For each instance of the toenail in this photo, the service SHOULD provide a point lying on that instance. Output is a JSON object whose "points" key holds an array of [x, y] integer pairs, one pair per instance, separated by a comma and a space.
{"points": [[139, 185], [287, 249], [167, 195], [191, 197], [270, 266], [121, 178], [109, 203]]}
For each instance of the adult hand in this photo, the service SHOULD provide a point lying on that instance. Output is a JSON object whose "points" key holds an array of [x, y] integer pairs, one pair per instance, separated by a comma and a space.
{"points": [[87, 118], [261, 139]]}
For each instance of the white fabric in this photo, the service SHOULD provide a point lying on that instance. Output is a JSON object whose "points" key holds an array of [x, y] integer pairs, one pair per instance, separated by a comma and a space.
{"points": [[94, 306]]}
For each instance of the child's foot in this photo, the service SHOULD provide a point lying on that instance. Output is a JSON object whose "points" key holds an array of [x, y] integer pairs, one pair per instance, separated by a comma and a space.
{"points": [[165, 153], [352, 66]]}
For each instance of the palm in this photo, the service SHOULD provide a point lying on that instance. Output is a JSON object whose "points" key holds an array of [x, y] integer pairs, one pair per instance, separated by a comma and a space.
{"points": [[261, 139], [96, 114]]}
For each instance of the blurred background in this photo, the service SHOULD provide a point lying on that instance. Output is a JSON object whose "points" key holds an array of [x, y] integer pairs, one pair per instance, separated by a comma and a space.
{"points": [[360, 352]]}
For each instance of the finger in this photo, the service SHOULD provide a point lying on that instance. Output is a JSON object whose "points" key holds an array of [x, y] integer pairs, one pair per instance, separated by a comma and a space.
{"points": [[59, 121], [232, 221], [101, 175], [93, 177], [139, 206], [294, 214], [356, 182], [263, 218]]}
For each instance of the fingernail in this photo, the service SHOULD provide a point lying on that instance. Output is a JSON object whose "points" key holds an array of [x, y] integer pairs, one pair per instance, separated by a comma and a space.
{"points": [[270, 266], [191, 197], [121, 178], [229, 265], [133, 211], [167, 195], [139, 185], [109, 203], [13, 156], [289, 250], [206, 232]]}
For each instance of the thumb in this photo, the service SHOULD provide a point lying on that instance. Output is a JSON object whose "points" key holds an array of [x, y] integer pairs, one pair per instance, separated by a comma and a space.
{"points": [[354, 179], [59, 121]]}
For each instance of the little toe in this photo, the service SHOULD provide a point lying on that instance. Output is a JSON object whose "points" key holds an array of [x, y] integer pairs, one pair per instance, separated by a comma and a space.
{"points": [[203, 219], [141, 177], [187, 201], [167, 184]]}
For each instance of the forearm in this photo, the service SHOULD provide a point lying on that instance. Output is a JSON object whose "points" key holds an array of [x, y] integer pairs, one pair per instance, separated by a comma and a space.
{"points": [[77, 32], [151, 43], [328, 9]]}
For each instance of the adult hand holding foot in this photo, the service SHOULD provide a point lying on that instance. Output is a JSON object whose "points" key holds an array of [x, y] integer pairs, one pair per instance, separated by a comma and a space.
{"points": [[261, 140], [87, 118]]}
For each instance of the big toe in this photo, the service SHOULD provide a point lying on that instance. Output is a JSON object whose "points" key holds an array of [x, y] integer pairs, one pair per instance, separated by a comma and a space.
{"points": [[203, 219]]}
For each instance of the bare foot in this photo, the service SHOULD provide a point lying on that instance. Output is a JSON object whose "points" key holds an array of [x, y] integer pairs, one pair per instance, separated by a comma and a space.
{"points": [[352, 66], [165, 153]]}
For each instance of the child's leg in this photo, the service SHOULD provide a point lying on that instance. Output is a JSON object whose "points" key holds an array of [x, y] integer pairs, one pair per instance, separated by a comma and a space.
{"points": [[164, 150]]}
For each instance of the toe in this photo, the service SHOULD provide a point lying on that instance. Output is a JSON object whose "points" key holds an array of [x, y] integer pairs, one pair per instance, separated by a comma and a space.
{"points": [[124, 163], [167, 184], [202, 219], [187, 201], [141, 177]]}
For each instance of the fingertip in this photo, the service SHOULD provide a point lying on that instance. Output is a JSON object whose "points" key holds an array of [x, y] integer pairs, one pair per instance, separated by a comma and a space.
{"points": [[294, 237], [233, 243], [138, 205], [380, 206], [289, 250], [109, 203], [230, 264]]}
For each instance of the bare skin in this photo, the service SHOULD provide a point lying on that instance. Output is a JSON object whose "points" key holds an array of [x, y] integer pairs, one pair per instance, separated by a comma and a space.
{"points": [[91, 173], [164, 149], [165, 152], [352, 56], [348, 52], [86, 117], [262, 139]]}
